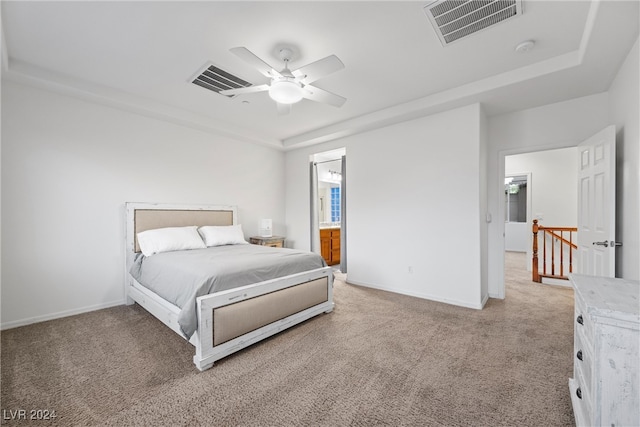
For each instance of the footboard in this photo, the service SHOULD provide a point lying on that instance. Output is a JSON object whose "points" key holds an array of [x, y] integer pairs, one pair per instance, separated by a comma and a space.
{"points": [[231, 320]]}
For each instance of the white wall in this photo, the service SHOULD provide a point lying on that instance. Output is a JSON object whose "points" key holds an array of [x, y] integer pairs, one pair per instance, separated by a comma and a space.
{"points": [[625, 114], [68, 167], [560, 125], [553, 186], [413, 200], [516, 236]]}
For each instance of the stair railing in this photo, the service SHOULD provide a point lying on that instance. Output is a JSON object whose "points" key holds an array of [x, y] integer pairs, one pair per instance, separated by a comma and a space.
{"points": [[563, 237]]}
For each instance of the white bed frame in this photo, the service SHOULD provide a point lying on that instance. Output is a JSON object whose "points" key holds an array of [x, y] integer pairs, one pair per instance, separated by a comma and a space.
{"points": [[206, 352]]}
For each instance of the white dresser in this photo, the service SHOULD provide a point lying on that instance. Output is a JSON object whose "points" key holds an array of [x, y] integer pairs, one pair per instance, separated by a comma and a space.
{"points": [[605, 385]]}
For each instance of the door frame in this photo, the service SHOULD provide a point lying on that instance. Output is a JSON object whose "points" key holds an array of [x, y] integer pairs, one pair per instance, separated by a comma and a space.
{"points": [[498, 232], [337, 154], [529, 215]]}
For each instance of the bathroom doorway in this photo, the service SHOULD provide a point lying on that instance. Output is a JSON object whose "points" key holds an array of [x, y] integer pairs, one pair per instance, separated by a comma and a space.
{"points": [[328, 207]]}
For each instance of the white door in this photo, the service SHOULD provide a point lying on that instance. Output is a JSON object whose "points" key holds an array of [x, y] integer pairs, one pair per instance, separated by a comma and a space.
{"points": [[597, 204]]}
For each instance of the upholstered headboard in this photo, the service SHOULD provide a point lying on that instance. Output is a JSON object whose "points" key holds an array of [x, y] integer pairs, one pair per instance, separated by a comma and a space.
{"points": [[147, 216]]}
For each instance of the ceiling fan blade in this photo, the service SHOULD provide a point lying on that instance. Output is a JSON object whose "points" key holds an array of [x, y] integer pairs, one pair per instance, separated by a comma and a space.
{"points": [[243, 90], [318, 69], [320, 95], [283, 109], [248, 56]]}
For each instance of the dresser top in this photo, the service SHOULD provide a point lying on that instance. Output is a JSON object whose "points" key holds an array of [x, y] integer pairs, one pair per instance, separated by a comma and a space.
{"points": [[609, 297]]}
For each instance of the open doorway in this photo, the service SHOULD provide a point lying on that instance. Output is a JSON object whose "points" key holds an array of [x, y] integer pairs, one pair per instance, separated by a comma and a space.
{"points": [[551, 198], [517, 212], [328, 207]]}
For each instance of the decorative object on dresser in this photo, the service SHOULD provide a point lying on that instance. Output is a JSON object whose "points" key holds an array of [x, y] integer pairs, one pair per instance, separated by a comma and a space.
{"points": [[330, 245], [605, 385], [273, 241]]}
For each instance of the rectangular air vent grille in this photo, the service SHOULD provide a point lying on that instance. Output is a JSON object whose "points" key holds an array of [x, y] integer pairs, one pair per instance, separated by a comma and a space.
{"points": [[215, 79], [455, 19]]}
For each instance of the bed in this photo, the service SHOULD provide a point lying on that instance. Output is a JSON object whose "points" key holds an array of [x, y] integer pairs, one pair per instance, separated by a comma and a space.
{"points": [[226, 320]]}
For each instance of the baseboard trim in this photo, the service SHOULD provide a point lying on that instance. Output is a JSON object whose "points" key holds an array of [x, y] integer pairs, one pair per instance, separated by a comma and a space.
{"points": [[484, 300], [556, 282], [37, 319], [419, 295]]}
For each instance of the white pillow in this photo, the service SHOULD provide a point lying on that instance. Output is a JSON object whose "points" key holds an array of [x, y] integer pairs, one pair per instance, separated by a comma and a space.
{"points": [[215, 235], [169, 239]]}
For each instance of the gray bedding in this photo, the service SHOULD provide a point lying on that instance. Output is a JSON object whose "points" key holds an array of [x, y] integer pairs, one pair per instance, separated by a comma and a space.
{"points": [[181, 276]]}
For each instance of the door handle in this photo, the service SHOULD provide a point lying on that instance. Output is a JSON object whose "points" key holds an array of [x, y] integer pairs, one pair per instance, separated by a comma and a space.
{"points": [[606, 243]]}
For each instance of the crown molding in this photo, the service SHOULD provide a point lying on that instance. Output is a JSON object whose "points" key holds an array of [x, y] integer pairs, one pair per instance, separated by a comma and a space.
{"points": [[34, 76]]}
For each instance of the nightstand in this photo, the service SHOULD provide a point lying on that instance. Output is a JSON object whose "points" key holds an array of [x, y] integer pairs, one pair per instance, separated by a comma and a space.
{"points": [[273, 241]]}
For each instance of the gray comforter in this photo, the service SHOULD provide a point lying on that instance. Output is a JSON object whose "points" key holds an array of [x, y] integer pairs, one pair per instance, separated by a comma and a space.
{"points": [[181, 276]]}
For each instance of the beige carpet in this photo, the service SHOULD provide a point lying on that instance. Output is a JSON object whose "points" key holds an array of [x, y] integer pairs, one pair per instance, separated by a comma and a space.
{"points": [[378, 359]]}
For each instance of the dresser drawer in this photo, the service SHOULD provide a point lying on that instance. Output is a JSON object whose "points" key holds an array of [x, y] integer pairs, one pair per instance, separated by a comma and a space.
{"points": [[583, 325], [582, 392], [581, 408], [583, 364], [274, 244]]}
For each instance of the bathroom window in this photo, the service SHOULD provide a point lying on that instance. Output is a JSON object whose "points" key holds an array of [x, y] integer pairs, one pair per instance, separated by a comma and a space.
{"points": [[335, 204]]}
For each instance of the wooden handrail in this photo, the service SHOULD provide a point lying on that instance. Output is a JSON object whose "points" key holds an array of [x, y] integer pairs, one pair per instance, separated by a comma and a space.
{"points": [[556, 233], [551, 231]]}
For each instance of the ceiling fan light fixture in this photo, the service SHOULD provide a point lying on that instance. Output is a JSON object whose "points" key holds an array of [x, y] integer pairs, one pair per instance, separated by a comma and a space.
{"points": [[286, 91]]}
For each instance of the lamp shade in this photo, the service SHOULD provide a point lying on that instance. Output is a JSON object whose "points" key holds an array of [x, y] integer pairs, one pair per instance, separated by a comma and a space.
{"points": [[266, 228], [285, 91]]}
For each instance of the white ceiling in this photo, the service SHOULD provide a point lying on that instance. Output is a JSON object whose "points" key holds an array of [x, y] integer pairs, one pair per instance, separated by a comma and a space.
{"points": [[142, 56]]}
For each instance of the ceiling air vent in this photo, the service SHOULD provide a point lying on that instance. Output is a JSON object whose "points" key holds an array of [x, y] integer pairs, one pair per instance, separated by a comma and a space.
{"points": [[215, 79], [455, 19]]}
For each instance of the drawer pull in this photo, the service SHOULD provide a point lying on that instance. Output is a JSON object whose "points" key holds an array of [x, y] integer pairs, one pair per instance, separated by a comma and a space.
{"points": [[579, 393], [579, 319], [579, 355]]}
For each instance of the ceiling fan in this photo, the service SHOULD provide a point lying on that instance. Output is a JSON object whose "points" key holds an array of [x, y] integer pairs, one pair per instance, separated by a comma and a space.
{"points": [[288, 87]]}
